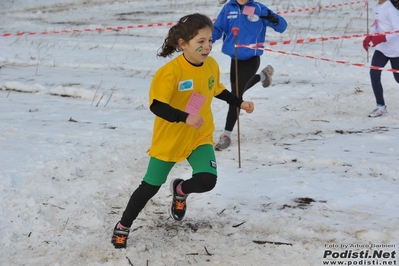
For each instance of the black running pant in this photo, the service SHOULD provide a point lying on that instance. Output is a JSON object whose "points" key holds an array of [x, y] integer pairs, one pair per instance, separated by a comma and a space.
{"points": [[199, 183], [380, 60], [247, 77]]}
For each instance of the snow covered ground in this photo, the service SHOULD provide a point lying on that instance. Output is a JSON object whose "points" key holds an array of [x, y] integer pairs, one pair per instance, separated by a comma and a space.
{"points": [[316, 173]]}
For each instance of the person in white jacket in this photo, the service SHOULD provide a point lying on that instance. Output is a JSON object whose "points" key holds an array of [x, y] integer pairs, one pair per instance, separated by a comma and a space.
{"points": [[386, 21]]}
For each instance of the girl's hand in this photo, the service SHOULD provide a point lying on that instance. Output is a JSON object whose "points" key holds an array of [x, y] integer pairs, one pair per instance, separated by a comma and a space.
{"points": [[248, 107], [195, 121]]}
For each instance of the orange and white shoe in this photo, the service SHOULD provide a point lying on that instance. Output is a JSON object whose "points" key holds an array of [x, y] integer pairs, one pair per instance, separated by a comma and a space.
{"points": [[178, 206], [119, 236]]}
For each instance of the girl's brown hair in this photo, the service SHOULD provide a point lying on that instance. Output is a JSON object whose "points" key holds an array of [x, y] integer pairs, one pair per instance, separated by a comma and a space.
{"points": [[186, 29]]}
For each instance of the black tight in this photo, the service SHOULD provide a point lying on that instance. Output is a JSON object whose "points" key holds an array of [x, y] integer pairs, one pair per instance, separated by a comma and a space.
{"points": [[380, 60], [199, 183], [247, 77], [137, 201]]}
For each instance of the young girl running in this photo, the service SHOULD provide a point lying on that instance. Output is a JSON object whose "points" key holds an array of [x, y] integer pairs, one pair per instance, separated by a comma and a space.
{"points": [[180, 96]]}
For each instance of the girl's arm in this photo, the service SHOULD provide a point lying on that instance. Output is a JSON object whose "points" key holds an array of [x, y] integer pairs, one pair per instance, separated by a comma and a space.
{"points": [[234, 100], [277, 22], [167, 112], [229, 98], [171, 114], [218, 26]]}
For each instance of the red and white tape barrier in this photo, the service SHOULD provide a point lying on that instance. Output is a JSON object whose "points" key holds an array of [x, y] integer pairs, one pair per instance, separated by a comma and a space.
{"points": [[314, 40], [152, 25], [317, 8], [342, 62], [98, 29]]}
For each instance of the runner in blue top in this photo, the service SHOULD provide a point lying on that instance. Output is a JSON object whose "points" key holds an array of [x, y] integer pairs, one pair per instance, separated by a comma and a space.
{"points": [[252, 18]]}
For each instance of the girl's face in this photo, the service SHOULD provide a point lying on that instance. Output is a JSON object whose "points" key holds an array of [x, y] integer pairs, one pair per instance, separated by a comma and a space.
{"points": [[199, 47]]}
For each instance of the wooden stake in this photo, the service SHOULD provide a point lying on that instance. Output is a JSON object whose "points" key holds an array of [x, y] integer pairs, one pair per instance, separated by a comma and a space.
{"points": [[235, 32]]}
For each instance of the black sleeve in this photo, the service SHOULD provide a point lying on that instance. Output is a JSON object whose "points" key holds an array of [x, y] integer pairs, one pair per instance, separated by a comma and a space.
{"points": [[167, 112], [229, 98]]}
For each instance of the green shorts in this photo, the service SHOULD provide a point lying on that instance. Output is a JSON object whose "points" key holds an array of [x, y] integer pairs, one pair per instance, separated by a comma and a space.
{"points": [[202, 160]]}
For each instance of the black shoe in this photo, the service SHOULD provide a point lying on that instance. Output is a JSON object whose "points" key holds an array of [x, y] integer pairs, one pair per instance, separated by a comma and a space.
{"points": [[177, 209], [119, 237]]}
